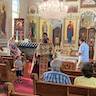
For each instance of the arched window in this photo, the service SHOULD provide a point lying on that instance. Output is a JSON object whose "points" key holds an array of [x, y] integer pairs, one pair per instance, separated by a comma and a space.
{"points": [[15, 12]]}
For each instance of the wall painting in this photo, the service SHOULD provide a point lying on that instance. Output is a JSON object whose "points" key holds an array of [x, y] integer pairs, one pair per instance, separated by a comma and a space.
{"points": [[70, 33], [19, 28]]}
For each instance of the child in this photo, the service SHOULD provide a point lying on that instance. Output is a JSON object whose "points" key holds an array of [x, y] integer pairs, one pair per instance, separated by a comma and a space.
{"points": [[19, 67]]}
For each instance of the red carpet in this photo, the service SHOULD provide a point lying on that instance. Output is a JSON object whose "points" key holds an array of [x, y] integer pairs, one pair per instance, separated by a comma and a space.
{"points": [[25, 87]]}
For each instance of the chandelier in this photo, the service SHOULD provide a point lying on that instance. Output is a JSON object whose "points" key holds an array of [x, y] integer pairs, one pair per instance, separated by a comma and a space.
{"points": [[52, 9]]}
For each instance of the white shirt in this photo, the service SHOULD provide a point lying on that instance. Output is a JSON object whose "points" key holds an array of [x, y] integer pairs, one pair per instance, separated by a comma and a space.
{"points": [[18, 64]]}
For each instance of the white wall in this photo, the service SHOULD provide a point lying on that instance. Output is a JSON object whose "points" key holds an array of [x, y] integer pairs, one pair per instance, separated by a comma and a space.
{"points": [[24, 14]]}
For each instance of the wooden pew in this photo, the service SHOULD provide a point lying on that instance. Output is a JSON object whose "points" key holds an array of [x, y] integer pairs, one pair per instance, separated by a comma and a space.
{"points": [[10, 59], [74, 72], [69, 68], [50, 89], [3, 71], [6, 73]]}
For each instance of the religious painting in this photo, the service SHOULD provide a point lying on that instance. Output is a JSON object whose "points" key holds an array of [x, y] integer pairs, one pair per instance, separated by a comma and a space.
{"points": [[91, 33], [57, 36], [56, 31], [33, 28], [91, 41], [19, 28], [72, 9], [83, 33], [3, 33], [70, 33], [44, 27], [88, 3]]}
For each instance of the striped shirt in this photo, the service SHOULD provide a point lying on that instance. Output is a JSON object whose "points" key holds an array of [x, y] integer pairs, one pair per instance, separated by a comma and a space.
{"points": [[56, 77]]}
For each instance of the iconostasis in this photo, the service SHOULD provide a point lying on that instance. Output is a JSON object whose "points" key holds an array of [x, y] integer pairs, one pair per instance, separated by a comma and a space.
{"points": [[80, 21]]}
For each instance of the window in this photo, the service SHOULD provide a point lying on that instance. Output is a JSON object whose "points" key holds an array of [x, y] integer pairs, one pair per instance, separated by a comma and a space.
{"points": [[15, 12]]}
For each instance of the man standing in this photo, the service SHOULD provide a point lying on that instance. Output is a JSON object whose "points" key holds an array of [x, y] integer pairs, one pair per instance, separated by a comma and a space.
{"points": [[45, 50], [83, 53]]}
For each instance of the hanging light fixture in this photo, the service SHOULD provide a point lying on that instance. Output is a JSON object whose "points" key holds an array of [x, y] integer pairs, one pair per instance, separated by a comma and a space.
{"points": [[52, 9]]}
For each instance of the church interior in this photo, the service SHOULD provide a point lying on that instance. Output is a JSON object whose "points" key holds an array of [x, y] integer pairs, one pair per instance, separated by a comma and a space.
{"points": [[34, 34]]}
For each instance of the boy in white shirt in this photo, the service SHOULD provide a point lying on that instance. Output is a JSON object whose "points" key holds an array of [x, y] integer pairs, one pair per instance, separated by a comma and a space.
{"points": [[18, 64]]}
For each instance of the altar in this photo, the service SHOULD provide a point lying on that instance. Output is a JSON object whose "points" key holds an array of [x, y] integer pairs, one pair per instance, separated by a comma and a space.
{"points": [[68, 62], [67, 58]]}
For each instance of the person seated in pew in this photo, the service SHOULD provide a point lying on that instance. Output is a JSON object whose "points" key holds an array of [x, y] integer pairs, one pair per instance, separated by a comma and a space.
{"points": [[87, 79], [55, 75]]}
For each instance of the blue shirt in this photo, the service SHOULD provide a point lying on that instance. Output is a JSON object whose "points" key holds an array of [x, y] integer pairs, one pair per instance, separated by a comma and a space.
{"points": [[56, 77], [84, 50]]}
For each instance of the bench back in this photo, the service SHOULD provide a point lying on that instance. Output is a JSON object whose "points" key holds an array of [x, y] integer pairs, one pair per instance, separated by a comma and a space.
{"points": [[3, 71], [74, 72], [50, 89], [10, 59]]}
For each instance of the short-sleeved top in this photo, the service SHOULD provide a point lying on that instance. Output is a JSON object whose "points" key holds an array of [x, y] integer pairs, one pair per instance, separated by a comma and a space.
{"points": [[18, 65], [83, 81], [56, 77], [84, 50]]}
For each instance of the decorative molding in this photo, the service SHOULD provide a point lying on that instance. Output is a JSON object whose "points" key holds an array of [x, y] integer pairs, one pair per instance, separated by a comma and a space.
{"points": [[87, 3]]}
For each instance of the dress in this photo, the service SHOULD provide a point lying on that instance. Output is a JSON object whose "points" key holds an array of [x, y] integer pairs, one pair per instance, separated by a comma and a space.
{"points": [[14, 50]]}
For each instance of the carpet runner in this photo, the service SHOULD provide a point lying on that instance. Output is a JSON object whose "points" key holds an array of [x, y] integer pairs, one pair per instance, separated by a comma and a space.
{"points": [[25, 87]]}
